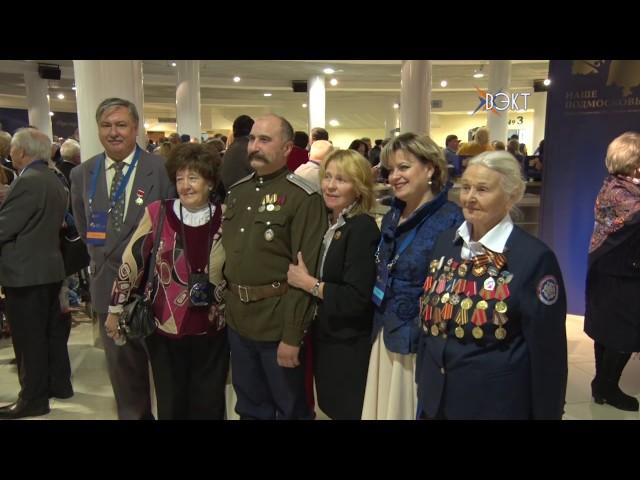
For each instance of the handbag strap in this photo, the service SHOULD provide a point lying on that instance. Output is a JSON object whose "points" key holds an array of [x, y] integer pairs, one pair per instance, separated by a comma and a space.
{"points": [[156, 243]]}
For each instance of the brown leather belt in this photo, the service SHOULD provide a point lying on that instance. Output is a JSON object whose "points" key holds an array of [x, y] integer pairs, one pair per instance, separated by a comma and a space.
{"points": [[253, 294]]}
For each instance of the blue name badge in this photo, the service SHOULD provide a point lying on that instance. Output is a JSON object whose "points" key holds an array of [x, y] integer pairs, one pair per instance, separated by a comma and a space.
{"points": [[97, 229], [379, 288]]}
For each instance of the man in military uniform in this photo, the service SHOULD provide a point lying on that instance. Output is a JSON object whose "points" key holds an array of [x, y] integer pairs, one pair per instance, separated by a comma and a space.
{"points": [[271, 215]]}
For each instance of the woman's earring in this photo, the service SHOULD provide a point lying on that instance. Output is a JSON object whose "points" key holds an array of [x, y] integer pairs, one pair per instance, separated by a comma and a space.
{"points": [[430, 182]]}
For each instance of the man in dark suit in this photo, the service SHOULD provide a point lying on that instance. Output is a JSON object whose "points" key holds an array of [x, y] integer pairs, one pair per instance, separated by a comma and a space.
{"points": [[109, 193], [235, 164], [70, 153], [31, 272]]}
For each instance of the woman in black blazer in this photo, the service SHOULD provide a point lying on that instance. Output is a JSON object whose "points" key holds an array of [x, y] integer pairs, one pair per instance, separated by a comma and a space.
{"points": [[346, 275]]}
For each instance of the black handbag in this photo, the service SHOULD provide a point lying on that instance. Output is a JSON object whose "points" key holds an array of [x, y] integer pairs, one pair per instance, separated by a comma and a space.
{"points": [[74, 251], [137, 320]]}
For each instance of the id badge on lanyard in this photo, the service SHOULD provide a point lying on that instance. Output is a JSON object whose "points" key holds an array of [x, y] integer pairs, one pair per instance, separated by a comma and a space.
{"points": [[383, 277], [97, 229]]}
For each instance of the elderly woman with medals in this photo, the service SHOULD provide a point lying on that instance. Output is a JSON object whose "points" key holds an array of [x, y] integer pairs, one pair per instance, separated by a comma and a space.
{"points": [[346, 273], [189, 351], [493, 308], [612, 317], [420, 211]]}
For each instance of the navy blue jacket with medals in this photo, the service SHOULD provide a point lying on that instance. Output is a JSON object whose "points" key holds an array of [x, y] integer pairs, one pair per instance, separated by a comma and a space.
{"points": [[522, 376], [399, 311]]}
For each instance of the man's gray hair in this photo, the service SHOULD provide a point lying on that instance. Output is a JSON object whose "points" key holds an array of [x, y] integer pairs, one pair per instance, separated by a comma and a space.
{"points": [[34, 143], [113, 102], [69, 150]]}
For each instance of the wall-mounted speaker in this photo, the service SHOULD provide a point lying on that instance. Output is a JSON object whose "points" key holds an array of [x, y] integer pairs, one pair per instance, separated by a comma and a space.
{"points": [[49, 72], [299, 86]]}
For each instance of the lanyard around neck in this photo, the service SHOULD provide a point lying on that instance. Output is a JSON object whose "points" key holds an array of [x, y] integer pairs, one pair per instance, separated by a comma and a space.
{"points": [[123, 183]]}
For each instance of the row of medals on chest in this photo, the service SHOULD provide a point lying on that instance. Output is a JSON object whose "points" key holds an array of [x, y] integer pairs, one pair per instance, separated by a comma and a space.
{"points": [[452, 288], [271, 202]]}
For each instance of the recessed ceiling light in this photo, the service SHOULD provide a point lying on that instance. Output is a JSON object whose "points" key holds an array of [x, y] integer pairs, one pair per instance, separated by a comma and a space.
{"points": [[236, 79], [174, 64], [304, 105], [334, 123], [51, 114], [267, 94], [329, 71], [396, 106], [61, 96], [444, 83], [547, 82], [478, 75], [333, 82]]}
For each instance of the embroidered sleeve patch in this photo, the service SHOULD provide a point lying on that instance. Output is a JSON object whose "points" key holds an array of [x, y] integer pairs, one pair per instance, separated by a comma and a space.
{"points": [[548, 290]]}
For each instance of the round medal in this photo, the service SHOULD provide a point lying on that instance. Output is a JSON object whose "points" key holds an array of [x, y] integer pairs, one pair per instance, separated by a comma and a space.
{"points": [[435, 300], [500, 333], [434, 330], [139, 201], [493, 271], [477, 333], [268, 235], [501, 307], [463, 269], [466, 304], [445, 298], [508, 276], [271, 207], [459, 331], [500, 280], [482, 305]]}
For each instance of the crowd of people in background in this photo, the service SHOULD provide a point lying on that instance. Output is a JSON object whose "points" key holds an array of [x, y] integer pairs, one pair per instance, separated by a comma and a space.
{"points": [[425, 312]]}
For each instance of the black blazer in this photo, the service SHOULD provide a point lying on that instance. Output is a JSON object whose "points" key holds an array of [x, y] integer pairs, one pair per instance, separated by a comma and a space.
{"points": [[349, 274]]}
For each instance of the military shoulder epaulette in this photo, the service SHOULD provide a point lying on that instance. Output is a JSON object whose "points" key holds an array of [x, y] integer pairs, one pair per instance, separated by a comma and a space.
{"points": [[302, 183], [242, 180]]}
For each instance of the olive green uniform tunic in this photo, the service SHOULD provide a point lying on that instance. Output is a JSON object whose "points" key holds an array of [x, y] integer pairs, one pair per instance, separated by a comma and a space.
{"points": [[267, 221]]}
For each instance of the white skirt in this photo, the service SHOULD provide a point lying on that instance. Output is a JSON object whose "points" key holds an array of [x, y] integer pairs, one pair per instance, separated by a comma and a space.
{"points": [[391, 392]]}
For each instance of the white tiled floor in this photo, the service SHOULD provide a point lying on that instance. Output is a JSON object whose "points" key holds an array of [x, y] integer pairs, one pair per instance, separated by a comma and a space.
{"points": [[93, 397]]}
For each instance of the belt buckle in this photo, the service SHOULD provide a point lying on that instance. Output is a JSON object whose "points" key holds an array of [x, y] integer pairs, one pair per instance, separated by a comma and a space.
{"points": [[242, 289]]}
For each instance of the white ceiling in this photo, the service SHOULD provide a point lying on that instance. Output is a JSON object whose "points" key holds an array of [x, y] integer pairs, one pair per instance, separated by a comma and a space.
{"points": [[362, 98]]}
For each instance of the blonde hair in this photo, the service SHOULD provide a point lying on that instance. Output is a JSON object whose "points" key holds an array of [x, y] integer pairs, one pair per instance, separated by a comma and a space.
{"points": [[504, 163], [358, 170], [623, 154], [425, 150]]}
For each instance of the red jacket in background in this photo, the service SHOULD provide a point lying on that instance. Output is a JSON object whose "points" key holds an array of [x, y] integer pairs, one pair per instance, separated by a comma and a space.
{"points": [[297, 157]]}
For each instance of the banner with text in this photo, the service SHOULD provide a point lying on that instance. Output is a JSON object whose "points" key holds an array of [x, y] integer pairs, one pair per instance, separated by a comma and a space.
{"points": [[590, 102]]}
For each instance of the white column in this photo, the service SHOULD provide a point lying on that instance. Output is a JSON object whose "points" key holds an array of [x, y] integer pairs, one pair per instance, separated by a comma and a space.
{"points": [[97, 80], [415, 96], [38, 102], [188, 98], [499, 81], [538, 102], [392, 120], [317, 102]]}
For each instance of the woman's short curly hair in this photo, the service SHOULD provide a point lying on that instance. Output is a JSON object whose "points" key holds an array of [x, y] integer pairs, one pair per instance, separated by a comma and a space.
{"points": [[195, 157]]}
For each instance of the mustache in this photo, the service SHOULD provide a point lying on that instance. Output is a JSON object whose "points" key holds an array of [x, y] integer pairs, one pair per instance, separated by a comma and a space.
{"points": [[258, 156]]}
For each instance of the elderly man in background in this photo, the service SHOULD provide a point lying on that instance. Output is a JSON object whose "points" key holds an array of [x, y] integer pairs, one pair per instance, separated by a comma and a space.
{"points": [[31, 272], [70, 153], [310, 171]]}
